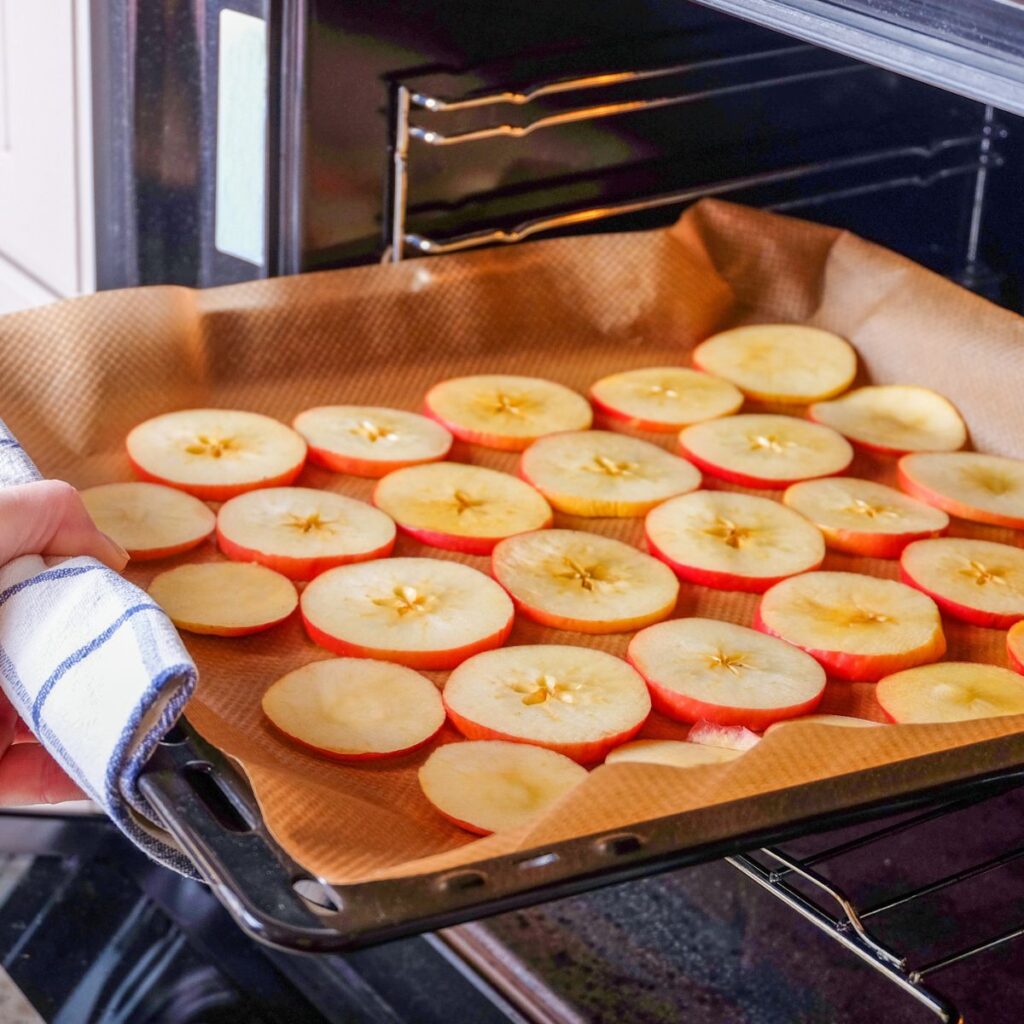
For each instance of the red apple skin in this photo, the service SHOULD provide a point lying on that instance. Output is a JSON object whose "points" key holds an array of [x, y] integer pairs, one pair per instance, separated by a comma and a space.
{"points": [[745, 480], [204, 630], [296, 568], [334, 755], [954, 508], [151, 554], [1015, 648], [623, 418], [864, 446], [963, 612], [581, 753], [504, 444], [864, 668], [875, 545], [590, 627], [465, 825], [218, 492], [364, 467]]}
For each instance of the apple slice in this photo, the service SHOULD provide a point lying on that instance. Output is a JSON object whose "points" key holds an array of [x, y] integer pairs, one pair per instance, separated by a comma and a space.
{"points": [[419, 612], [507, 412], [894, 419], [224, 598], [780, 362], [718, 672], [981, 488], [951, 691], [216, 453], [300, 532], [574, 700], [843, 721], [354, 709], [858, 627], [574, 580], [978, 581], [149, 520], [368, 440], [459, 507], [677, 753], [864, 518], [1015, 647], [762, 450], [492, 786], [723, 737], [664, 398], [601, 473], [732, 541]]}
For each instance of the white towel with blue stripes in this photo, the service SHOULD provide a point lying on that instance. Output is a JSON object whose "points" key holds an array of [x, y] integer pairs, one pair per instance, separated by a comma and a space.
{"points": [[94, 667]]}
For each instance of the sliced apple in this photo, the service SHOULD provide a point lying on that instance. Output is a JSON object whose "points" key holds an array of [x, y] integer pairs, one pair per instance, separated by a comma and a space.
{"points": [[842, 721], [864, 518], [149, 520], [732, 541], [780, 362], [951, 691], [857, 627], [894, 419], [706, 670], [216, 453], [978, 581], [664, 398], [601, 473], [574, 580], [574, 700], [981, 488], [763, 450], [224, 598], [505, 411], [419, 612], [368, 440], [493, 786], [300, 532], [1015, 647], [723, 737], [354, 709], [677, 753]]}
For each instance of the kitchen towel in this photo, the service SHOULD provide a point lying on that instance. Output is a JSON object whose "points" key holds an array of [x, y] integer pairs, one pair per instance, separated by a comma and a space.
{"points": [[94, 667]]}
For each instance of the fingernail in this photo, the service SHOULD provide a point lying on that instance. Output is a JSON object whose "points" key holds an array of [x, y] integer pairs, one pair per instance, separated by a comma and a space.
{"points": [[125, 557]]}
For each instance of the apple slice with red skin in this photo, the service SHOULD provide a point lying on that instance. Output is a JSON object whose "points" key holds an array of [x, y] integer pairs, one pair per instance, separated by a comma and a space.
{"points": [[369, 440], [842, 721], [215, 454], [780, 362], [1015, 647], [706, 670], [857, 627], [722, 737], [301, 532], [677, 753], [224, 598], [601, 473], [460, 507], [663, 399], [732, 541], [893, 419], [569, 579], [865, 518], [505, 411], [149, 520], [764, 450], [951, 691], [978, 581], [974, 486], [490, 786], [573, 700], [419, 612]]}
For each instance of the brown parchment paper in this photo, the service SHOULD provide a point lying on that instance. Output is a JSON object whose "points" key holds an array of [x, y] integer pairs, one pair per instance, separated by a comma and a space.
{"points": [[76, 376]]}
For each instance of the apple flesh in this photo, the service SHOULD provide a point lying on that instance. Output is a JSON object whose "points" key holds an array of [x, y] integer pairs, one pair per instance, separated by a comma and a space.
{"points": [[764, 450], [865, 518], [842, 721], [723, 737], [224, 598], [718, 672], [780, 362], [601, 473], [149, 520], [492, 786], [573, 700], [419, 612], [301, 532], [568, 579], [677, 753], [215, 454], [505, 411], [460, 507], [1015, 647], [732, 541], [355, 709], [857, 627], [978, 581], [951, 691], [368, 440]]}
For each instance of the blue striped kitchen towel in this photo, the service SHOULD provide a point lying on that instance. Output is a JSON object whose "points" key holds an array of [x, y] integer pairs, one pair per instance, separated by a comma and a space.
{"points": [[95, 668]]}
